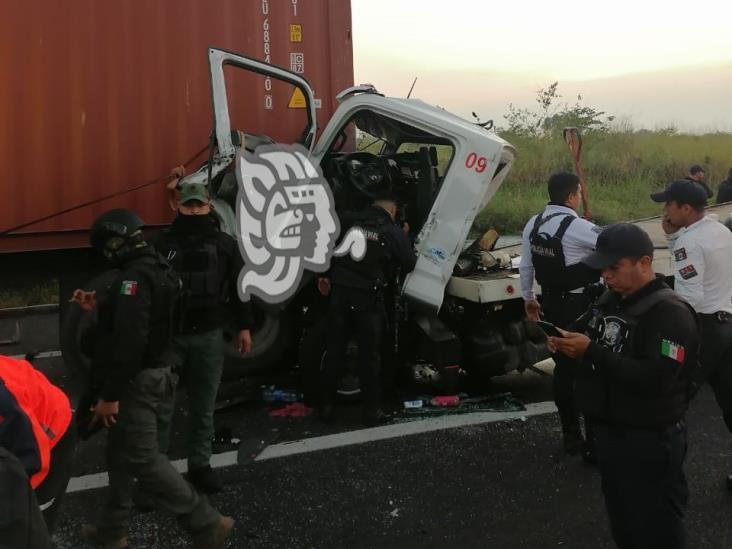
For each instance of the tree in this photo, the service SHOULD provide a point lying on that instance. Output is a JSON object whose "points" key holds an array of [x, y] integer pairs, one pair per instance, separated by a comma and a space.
{"points": [[552, 117]]}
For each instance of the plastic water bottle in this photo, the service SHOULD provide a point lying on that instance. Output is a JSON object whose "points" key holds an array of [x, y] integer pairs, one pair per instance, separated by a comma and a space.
{"points": [[270, 394]]}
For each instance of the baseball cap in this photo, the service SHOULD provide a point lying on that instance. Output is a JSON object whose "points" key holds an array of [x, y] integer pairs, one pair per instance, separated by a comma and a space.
{"points": [[194, 191], [683, 191], [616, 242]]}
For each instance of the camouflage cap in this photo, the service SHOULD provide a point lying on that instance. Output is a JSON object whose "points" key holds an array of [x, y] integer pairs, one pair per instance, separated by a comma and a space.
{"points": [[194, 191]]}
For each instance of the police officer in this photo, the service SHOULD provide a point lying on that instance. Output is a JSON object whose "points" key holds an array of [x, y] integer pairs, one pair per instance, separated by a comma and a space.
{"points": [[633, 381], [357, 298], [701, 251], [552, 245], [724, 190], [132, 374], [697, 174], [209, 264]]}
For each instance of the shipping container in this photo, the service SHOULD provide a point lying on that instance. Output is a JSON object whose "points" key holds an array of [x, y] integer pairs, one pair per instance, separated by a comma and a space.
{"points": [[101, 97]]}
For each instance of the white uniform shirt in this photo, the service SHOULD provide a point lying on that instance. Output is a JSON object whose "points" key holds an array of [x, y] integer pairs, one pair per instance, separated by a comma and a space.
{"points": [[577, 242], [702, 257]]}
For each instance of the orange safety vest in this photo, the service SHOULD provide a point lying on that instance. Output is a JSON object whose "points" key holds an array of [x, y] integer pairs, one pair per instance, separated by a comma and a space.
{"points": [[46, 406]]}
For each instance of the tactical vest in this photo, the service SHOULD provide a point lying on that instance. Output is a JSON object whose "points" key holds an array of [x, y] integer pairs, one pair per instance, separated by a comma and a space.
{"points": [[547, 255], [598, 398], [197, 263], [371, 272], [166, 306]]}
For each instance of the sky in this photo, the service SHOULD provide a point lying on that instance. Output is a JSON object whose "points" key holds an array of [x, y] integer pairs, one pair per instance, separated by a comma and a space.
{"points": [[652, 64]]}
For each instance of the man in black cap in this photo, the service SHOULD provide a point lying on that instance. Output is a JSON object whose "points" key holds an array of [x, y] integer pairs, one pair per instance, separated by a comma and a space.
{"points": [[702, 255], [636, 357], [356, 290], [696, 174]]}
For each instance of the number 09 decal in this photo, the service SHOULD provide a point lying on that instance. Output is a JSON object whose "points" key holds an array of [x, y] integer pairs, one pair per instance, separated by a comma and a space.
{"points": [[475, 162]]}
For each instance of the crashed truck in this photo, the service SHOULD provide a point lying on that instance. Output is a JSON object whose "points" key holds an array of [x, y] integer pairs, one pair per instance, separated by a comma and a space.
{"points": [[444, 170]]}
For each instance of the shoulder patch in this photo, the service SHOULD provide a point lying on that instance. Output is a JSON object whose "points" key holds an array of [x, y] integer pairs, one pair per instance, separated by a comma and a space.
{"points": [[129, 287], [596, 229], [688, 272], [672, 350], [680, 254]]}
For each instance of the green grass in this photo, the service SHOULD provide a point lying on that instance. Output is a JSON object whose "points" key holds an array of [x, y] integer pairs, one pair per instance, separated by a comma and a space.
{"points": [[621, 169], [22, 294]]}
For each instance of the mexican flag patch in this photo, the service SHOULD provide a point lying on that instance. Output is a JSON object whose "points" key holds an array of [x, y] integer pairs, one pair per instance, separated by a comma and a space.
{"points": [[674, 351], [129, 287]]}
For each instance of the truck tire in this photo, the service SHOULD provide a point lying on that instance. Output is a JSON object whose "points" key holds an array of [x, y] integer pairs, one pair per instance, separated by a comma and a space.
{"points": [[271, 340], [77, 328]]}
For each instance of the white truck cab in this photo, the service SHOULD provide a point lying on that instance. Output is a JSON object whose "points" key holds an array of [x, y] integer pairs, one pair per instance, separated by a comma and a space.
{"points": [[444, 170]]}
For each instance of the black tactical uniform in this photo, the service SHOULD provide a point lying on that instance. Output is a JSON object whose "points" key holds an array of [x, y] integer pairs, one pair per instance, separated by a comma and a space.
{"points": [[357, 303], [634, 383], [209, 263], [131, 366]]}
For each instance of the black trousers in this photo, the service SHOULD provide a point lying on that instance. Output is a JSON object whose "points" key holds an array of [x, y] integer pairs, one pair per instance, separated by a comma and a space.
{"points": [[51, 491], [716, 361], [562, 309], [644, 485], [361, 313]]}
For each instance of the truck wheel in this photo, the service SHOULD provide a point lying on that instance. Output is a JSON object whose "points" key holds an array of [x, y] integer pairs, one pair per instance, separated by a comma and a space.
{"points": [[271, 338], [77, 331]]}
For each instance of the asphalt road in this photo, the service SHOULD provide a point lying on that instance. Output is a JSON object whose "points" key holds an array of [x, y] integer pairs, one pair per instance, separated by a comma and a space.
{"points": [[499, 484]]}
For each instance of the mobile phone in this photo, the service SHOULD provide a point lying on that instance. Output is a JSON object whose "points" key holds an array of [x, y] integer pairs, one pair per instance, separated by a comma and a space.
{"points": [[549, 328]]}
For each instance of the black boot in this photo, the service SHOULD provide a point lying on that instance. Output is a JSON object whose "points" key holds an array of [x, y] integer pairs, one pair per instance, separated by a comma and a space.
{"points": [[326, 413], [205, 480], [374, 418], [572, 439], [589, 452]]}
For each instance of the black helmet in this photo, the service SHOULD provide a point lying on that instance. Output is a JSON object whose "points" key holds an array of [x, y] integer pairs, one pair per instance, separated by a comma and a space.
{"points": [[116, 233]]}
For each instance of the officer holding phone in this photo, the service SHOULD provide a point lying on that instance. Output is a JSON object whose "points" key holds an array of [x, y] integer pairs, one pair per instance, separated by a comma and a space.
{"points": [[552, 245], [636, 359]]}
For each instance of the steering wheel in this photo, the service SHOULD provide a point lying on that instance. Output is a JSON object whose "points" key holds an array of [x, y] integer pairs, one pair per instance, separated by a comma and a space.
{"points": [[366, 172]]}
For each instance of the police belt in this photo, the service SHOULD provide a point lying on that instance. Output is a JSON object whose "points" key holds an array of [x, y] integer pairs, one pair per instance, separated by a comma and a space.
{"points": [[722, 317]]}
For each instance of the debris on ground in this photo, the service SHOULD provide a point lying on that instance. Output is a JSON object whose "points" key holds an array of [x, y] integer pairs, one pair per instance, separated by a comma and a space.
{"points": [[271, 394], [296, 409], [445, 400], [457, 404]]}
